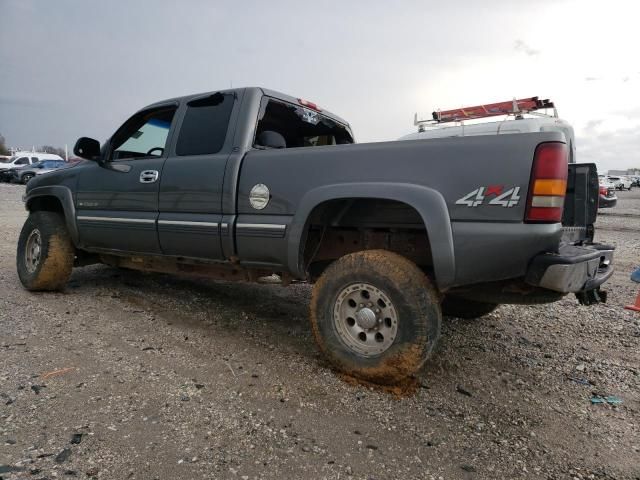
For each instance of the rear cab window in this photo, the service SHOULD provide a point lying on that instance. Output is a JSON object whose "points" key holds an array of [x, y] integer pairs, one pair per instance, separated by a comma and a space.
{"points": [[299, 125]]}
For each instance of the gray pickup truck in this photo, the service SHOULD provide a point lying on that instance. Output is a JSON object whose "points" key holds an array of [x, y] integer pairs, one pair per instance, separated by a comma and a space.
{"points": [[247, 183]]}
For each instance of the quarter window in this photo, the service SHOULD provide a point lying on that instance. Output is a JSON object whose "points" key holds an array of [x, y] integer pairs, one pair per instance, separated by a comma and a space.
{"points": [[205, 125]]}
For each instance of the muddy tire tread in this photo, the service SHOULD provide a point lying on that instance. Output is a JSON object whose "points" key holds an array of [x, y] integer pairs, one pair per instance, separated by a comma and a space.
{"points": [[58, 253], [419, 300]]}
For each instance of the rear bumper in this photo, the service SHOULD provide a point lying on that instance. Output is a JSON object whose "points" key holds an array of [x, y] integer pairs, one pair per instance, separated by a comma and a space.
{"points": [[573, 269]]}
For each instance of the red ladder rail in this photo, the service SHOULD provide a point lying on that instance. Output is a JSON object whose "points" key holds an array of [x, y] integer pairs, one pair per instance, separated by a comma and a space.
{"points": [[492, 109]]}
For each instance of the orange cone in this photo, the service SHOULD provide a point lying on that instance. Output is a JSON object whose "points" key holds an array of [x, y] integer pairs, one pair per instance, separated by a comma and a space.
{"points": [[636, 306]]}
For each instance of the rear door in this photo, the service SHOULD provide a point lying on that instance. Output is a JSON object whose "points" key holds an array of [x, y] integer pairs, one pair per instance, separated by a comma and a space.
{"points": [[189, 223], [117, 202]]}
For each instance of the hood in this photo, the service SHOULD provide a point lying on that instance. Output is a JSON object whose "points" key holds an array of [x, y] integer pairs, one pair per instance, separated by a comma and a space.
{"points": [[56, 176]]}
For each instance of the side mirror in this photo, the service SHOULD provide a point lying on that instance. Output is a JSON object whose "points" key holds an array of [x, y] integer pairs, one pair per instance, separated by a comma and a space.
{"points": [[87, 148]]}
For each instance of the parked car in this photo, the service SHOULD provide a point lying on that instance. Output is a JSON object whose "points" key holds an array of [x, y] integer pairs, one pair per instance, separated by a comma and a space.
{"points": [[246, 183], [620, 182], [24, 174], [23, 159], [627, 182], [607, 196]]}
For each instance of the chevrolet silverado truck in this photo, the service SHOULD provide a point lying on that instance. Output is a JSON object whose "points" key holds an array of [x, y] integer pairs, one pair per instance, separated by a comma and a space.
{"points": [[247, 183]]}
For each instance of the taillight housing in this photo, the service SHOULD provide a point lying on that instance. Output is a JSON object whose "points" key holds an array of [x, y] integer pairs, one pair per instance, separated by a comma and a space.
{"points": [[548, 183]]}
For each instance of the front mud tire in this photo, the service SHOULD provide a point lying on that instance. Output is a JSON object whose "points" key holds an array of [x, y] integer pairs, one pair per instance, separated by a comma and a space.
{"points": [[45, 252], [411, 299]]}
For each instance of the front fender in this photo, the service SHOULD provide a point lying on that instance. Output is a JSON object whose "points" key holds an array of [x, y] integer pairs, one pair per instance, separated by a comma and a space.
{"points": [[428, 202], [65, 197]]}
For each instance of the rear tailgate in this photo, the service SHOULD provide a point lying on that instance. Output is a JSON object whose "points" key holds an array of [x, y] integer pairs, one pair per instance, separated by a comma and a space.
{"points": [[579, 266], [581, 203]]}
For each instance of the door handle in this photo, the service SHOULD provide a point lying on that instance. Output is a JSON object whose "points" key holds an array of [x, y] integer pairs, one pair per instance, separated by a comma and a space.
{"points": [[148, 176]]}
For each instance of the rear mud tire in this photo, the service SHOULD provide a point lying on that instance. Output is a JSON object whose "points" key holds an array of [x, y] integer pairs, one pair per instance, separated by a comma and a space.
{"points": [[45, 252], [416, 311]]}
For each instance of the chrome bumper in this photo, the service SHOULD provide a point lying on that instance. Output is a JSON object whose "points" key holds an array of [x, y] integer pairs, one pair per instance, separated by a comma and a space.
{"points": [[573, 269]]}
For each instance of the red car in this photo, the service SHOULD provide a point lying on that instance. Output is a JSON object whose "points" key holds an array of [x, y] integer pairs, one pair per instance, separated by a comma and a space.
{"points": [[608, 197]]}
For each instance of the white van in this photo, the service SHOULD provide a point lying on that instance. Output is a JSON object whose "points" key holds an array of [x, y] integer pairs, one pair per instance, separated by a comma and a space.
{"points": [[513, 122], [22, 159]]}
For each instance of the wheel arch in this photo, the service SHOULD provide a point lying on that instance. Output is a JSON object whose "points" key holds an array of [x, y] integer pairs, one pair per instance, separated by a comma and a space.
{"points": [[55, 198], [428, 202]]}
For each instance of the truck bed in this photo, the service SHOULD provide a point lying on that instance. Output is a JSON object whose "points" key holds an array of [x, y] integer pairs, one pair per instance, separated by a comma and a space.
{"points": [[441, 172]]}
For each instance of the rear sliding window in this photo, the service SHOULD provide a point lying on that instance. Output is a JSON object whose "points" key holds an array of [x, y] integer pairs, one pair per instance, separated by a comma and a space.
{"points": [[205, 124], [301, 126]]}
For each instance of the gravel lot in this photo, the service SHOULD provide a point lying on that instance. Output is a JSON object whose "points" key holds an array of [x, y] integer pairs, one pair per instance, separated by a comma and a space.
{"points": [[160, 377]]}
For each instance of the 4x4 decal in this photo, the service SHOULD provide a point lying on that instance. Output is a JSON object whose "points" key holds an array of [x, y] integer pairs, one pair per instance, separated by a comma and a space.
{"points": [[501, 197]]}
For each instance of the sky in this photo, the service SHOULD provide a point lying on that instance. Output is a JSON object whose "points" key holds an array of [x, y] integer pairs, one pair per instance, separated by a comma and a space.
{"points": [[71, 68]]}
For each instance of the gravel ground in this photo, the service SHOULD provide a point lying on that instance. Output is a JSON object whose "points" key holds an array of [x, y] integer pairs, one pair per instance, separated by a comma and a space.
{"points": [[160, 377]]}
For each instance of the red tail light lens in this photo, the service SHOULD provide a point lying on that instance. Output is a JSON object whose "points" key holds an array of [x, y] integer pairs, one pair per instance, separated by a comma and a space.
{"points": [[308, 104], [548, 184]]}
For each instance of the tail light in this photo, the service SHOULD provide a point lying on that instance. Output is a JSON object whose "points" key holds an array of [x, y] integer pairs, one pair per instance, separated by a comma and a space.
{"points": [[548, 184], [603, 191]]}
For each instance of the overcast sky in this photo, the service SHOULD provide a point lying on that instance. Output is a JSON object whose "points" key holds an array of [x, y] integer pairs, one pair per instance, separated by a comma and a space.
{"points": [[70, 68]]}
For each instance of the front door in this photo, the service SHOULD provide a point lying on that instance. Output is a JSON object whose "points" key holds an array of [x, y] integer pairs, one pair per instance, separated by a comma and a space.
{"points": [[117, 201]]}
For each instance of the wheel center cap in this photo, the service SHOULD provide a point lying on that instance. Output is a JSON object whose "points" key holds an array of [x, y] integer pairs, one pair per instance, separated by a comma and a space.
{"points": [[366, 318]]}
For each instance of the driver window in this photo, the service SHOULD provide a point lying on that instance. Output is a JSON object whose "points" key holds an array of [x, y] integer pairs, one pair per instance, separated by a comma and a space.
{"points": [[143, 135], [22, 161]]}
